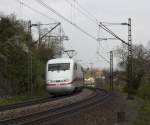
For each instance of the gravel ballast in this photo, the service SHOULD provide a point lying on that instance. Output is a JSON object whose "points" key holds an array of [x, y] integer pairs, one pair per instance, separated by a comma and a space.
{"points": [[99, 114], [15, 113]]}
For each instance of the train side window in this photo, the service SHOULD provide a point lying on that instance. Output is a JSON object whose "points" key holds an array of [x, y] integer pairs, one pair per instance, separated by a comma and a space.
{"points": [[75, 66]]}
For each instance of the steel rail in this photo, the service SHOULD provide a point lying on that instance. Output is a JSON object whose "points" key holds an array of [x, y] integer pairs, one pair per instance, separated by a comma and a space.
{"points": [[30, 102], [55, 113]]}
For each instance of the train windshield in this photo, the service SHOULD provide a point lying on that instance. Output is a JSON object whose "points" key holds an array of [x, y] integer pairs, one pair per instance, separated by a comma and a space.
{"points": [[59, 66]]}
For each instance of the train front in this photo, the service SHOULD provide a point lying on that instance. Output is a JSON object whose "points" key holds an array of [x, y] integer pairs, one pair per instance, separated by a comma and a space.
{"points": [[59, 76]]}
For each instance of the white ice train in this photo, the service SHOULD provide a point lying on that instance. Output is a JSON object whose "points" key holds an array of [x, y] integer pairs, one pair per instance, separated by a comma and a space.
{"points": [[63, 76]]}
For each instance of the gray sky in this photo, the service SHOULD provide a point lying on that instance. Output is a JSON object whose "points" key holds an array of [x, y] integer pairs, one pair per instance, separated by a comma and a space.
{"points": [[103, 10]]}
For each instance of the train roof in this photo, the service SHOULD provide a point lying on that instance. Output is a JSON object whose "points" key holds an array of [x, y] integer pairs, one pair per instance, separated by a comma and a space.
{"points": [[60, 60]]}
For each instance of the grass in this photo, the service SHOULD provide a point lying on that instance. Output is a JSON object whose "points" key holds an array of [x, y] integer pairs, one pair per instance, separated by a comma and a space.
{"points": [[20, 98], [12, 100], [139, 110], [144, 114]]}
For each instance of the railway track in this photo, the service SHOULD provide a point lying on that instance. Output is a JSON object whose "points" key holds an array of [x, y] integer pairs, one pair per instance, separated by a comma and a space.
{"points": [[32, 102], [55, 113]]}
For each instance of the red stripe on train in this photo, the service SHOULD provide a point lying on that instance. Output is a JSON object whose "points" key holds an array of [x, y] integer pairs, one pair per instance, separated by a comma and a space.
{"points": [[65, 83]]}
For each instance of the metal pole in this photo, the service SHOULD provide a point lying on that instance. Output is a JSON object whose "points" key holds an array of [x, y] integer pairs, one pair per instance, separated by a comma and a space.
{"points": [[29, 26], [31, 72], [41, 37], [30, 86], [60, 47], [39, 28], [129, 58], [29, 83], [91, 69], [111, 70]]}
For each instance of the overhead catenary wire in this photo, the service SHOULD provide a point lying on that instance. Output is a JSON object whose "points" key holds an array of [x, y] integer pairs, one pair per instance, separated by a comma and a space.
{"points": [[107, 30], [109, 23], [88, 13], [35, 10], [102, 25], [112, 33], [83, 13], [100, 41], [38, 12], [100, 46], [58, 14], [67, 20], [103, 57]]}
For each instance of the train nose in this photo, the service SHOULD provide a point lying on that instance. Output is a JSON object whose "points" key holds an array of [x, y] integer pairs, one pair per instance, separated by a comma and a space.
{"points": [[60, 88]]}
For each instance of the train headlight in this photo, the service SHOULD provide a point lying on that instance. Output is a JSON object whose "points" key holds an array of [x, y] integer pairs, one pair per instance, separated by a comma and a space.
{"points": [[51, 81]]}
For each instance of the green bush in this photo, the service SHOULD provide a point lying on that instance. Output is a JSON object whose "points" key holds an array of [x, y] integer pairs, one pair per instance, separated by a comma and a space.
{"points": [[126, 90], [144, 115], [144, 91], [21, 61]]}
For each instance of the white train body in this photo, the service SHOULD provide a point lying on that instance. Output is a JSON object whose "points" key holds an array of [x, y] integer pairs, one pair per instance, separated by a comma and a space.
{"points": [[63, 75]]}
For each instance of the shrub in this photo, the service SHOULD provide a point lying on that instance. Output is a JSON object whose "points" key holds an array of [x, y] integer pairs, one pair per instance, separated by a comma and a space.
{"points": [[144, 91]]}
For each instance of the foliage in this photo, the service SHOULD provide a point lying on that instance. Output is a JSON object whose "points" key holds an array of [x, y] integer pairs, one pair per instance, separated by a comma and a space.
{"points": [[144, 91], [144, 115], [140, 62], [20, 59], [13, 37], [21, 98]]}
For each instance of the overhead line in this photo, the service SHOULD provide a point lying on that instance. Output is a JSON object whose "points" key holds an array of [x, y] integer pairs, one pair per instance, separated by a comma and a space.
{"points": [[43, 4], [112, 33], [103, 57], [101, 25], [109, 23], [96, 21], [100, 45], [67, 20], [86, 15], [35, 10], [48, 32]]}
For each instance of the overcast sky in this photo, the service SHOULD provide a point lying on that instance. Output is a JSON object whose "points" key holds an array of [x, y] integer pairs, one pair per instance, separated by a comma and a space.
{"points": [[104, 10]]}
